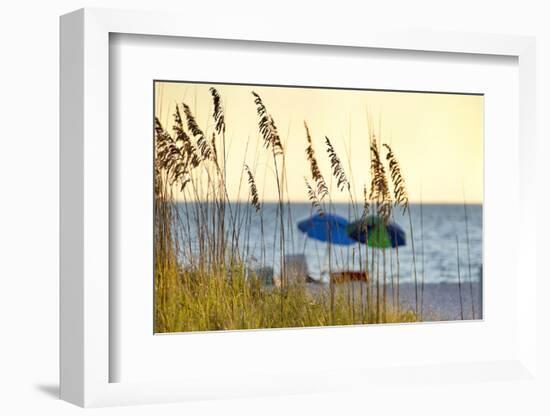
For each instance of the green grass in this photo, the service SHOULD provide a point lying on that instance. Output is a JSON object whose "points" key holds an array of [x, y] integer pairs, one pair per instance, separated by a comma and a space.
{"points": [[194, 301], [206, 287]]}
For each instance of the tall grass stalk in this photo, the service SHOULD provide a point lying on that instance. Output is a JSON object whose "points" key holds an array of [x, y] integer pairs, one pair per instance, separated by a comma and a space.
{"points": [[401, 199], [270, 134], [423, 258], [469, 261], [459, 279]]}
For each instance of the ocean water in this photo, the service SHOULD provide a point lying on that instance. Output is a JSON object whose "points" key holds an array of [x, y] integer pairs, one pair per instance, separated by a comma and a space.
{"points": [[436, 228]]}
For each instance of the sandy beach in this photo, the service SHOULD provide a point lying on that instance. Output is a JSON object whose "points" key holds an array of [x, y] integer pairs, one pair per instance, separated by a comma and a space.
{"points": [[441, 300]]}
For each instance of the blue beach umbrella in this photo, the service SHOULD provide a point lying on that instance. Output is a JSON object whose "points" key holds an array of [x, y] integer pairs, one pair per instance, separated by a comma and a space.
{"points": [[376, 233], [327, 227]]}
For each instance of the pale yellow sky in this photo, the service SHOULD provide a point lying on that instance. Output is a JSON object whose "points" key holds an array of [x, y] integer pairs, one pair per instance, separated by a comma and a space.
{"points": [[438, 138]]}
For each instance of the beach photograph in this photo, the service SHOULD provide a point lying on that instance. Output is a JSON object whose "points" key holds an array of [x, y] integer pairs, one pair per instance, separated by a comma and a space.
{"points": [[299, 206]]}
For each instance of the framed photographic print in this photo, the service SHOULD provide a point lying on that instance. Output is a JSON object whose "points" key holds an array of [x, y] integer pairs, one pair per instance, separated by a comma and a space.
{"points": [[268, 214]]}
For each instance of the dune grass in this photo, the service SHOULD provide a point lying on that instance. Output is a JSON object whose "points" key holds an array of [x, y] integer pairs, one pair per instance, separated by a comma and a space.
{"points": [[202, 278], [195, 302]]}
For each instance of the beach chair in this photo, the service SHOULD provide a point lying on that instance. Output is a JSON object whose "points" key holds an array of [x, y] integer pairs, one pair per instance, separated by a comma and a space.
{"points": [[296, 268]]}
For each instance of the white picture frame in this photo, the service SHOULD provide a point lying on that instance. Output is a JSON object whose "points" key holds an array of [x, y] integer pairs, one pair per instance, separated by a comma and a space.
{"points": [[85, 355]]}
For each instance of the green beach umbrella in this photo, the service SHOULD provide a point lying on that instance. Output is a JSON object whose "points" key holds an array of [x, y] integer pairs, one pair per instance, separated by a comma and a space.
{"points": [[376, 233]]}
